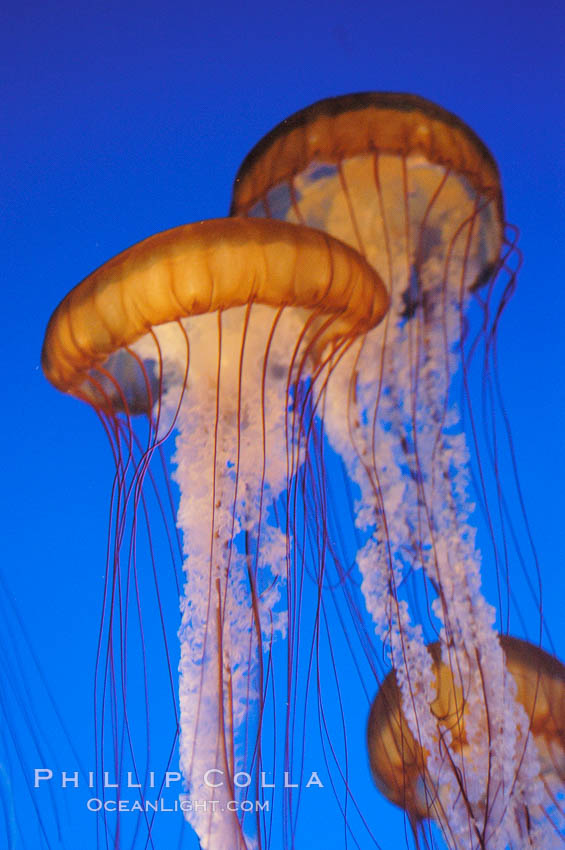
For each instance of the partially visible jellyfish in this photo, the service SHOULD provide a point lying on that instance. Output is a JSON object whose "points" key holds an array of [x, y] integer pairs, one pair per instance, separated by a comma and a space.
{"points": [[415, 191], [220, 332], [399, 763]]}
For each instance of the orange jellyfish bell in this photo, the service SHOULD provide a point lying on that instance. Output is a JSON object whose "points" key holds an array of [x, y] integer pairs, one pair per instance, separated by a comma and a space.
{"points": [[207, 267], [216, 329], [394, 175], [399, 763], [416, 191]]}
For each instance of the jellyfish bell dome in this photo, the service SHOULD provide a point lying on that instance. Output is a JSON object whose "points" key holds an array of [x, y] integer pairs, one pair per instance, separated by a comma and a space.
{"points": [[399, 762], [193, 270], [403, 180], [211, 328]]}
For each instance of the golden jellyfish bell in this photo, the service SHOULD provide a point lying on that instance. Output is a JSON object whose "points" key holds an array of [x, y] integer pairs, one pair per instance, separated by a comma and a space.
{"points": [[399, 762], [207, 267], [394, 175]]}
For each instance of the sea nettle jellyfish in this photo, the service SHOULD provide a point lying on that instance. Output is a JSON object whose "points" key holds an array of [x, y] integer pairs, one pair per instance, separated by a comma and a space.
{"points": [[417, 193], [220, 332], [399, 763]]}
